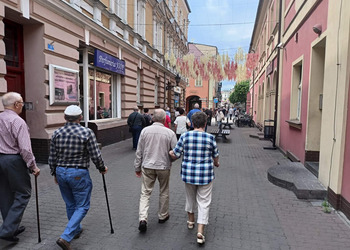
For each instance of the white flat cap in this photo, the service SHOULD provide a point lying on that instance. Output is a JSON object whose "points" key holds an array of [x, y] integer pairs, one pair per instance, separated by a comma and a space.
{"points": [[73, 110]]}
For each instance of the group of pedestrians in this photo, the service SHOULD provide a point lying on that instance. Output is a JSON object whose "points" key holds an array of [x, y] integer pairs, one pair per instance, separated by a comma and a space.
{"points": [[157, 148], [71, 148]]}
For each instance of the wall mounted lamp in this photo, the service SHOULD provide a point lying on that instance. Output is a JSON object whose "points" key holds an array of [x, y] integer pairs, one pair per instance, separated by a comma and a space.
{"points": [[177, 79]]}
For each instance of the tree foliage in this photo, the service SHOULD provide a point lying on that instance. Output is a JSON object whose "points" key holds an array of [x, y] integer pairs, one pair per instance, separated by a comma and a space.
{"points": [[239, 93]]}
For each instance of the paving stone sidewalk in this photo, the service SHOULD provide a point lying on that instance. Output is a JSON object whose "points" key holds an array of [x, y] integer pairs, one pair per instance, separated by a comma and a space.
{"points": [[247, 212]]}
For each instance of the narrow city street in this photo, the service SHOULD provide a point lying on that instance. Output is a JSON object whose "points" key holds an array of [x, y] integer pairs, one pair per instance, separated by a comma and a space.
{"points": [[247, 212]]}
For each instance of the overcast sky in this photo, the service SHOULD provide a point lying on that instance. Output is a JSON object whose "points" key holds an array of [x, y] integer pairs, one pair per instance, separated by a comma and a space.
{"points": [[226, 24]]}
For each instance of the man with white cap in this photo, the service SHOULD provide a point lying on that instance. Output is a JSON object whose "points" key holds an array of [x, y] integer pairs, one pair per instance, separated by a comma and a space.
{"points": [[16, 161], [71, 148]]}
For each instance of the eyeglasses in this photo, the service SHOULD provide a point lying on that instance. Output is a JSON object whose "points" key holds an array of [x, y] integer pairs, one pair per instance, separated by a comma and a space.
{"points": [[20, 103]]}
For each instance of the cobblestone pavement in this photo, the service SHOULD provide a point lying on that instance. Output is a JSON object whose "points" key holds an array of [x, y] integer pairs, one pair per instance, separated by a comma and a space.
{"points": [[247, 212]]}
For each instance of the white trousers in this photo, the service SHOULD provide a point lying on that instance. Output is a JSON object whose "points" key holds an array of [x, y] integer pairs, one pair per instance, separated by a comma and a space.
{"points": [[200, 196], [149, 176]]}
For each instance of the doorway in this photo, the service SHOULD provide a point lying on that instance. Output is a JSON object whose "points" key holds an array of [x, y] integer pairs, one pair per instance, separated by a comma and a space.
{"points": [[315, 103], [14, 59]]}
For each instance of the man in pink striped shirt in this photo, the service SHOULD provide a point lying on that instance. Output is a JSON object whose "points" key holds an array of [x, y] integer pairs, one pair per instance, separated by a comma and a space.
{"points": [[16, 162]]}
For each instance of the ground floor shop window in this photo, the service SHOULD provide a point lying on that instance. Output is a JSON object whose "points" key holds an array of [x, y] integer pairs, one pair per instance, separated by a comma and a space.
{"points": [[100, 84], [103, 97]]}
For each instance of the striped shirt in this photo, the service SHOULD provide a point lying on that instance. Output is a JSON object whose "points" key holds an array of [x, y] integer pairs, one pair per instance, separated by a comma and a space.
{"points": [[198, 149], [15, 138], [72, 146]]}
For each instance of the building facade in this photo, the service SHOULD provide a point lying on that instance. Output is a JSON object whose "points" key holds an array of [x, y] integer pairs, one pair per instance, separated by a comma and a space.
{"points": [[313, 76], [107, 56], [199, 90]]}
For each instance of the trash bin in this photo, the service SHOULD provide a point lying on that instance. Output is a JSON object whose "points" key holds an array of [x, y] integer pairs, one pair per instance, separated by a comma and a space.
{"points": [[269, 127]]}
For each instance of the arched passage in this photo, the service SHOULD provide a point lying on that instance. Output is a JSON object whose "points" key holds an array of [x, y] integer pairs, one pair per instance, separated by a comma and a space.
{"points": [[191, 100]]}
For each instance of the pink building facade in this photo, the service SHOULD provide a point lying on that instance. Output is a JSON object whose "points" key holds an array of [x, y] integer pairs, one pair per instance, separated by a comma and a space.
{"points": [[309, 68]]}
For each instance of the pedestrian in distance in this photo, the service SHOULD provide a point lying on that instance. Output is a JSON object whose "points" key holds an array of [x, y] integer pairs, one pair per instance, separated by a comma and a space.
{"points": [[192, 111], [16, 163], [181, 123], [167, 112], [71, 148], [136, 123], [200, 155], [230, 112], [147, 117], [153, 163], [167, 122], [219, 118], [209, 113]]}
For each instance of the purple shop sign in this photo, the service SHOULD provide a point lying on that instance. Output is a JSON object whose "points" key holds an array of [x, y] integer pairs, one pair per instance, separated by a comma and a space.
{"points": [[108, 62]]}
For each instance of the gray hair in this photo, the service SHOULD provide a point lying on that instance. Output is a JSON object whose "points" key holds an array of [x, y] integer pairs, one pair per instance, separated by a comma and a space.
{"points": [[196, 105], [159, 115], [199, 119], [136, 108], [10, 98]]}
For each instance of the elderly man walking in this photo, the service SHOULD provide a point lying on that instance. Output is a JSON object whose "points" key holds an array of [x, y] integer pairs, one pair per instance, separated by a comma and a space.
{"points": [[153, 162], [16, 161], [71, 148], [192, 111]]}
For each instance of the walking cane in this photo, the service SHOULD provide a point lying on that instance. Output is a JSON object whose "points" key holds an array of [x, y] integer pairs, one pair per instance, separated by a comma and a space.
{"points": [[109, 212], [37, 208]]}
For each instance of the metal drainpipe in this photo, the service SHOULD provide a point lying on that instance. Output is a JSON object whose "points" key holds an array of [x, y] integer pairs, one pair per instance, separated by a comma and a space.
{"points": [[278, 75]]}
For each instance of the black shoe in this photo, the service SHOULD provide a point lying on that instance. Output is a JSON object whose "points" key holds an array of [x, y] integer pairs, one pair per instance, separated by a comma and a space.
{"points": [[10, 238], [77, 236], [143, 226], [164, 220], [19, 230]]}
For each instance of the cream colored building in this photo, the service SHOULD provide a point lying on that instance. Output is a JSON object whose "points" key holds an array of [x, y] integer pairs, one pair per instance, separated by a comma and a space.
{"points": [[107, 56]]}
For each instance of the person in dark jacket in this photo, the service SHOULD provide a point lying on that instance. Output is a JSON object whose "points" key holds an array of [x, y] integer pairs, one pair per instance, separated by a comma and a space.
{"points": [[136, 123]]}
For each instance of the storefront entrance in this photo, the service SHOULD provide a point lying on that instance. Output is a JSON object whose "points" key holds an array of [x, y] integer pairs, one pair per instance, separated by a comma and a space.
{"points": [[14, 59]]}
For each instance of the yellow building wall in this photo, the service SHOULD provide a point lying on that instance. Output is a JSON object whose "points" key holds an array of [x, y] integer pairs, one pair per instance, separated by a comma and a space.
{"points": [[335, 96], [131, 8], [149, 23], [105, 2]]}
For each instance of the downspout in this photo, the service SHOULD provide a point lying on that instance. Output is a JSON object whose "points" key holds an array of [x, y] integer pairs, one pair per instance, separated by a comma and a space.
{"points": [[278, 75]]}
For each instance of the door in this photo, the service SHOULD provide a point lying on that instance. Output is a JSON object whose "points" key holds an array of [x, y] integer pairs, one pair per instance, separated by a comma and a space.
{"points": [[14, 59]]}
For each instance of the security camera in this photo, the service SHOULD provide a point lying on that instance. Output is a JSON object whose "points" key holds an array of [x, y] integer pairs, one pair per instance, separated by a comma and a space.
{"points": [[317, 29], [280, 46]]}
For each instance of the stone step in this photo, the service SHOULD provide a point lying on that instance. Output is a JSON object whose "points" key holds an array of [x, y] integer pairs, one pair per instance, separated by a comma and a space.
{"points": [[295, 177]]}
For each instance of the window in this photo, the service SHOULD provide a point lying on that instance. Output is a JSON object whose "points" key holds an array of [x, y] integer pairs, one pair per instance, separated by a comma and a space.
{"points": [[157, 36], [296, 93], [176, 11], [170, 5], [198, 83], [140, 18], [120, 9], [103, 90]]}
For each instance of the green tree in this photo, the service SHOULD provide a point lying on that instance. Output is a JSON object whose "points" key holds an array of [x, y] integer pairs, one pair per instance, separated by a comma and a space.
{"points": [[239, 93]]}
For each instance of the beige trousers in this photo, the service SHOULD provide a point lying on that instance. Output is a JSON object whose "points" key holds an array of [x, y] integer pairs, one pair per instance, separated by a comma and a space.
{"points": [[200, 196], [149, 176]]}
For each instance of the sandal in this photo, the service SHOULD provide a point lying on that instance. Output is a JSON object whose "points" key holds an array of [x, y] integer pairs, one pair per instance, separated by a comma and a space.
{"points": [[190, 224], [200, 238]]}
